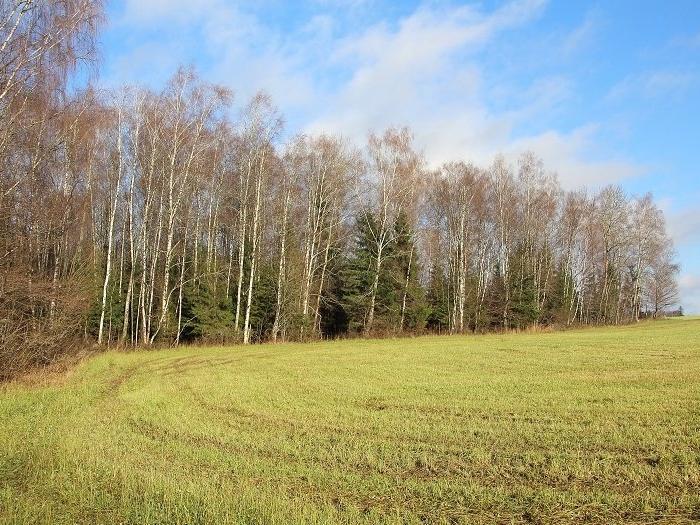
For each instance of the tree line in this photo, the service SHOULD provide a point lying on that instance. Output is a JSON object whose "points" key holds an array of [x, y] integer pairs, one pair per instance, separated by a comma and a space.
{"points": [[139, 217]]}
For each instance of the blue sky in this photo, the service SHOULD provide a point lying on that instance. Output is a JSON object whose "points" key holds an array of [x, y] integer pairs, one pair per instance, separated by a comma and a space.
{"points": [[603, 91]]}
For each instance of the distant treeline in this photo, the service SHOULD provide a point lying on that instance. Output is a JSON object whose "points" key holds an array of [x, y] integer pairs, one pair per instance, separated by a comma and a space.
{"points": [[141, 218]]}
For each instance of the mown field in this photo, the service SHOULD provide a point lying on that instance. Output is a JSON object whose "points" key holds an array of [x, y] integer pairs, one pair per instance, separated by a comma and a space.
{"points": [[597, 425]]}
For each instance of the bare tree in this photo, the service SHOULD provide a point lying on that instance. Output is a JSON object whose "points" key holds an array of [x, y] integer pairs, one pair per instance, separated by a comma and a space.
{"points": [[140, 217], [661, 292], [114, 189], [260, 128], [393, 172]]}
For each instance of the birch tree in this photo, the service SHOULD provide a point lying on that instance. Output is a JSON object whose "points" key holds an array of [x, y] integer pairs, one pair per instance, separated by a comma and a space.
{"points": [[114, 195], [393, 170], [260, 127]]}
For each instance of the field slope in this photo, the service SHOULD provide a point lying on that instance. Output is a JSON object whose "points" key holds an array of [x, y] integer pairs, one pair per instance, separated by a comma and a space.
{"points": [[597, 425]]}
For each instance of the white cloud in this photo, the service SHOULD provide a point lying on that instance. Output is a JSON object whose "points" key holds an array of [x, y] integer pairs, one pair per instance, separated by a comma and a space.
{"points": [[695, 40], [654, 84], [571, 156], [144, 12], [229, 44], [689, 285], [431, 34], [684, 225], [424, 70], [426, 73], [686, 42], [583, 34]]}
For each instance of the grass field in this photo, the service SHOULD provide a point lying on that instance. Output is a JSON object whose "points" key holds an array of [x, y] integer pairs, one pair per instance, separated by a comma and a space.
{"points": [[597, 425]]}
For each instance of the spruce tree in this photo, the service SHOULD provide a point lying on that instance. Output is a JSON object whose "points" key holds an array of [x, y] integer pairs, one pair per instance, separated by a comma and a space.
{"points": [[357, 274], [437, 299], [205, 315], [412, 306]]}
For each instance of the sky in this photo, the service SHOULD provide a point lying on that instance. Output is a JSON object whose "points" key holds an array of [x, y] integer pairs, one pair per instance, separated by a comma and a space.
{"points": [[605, 92]]}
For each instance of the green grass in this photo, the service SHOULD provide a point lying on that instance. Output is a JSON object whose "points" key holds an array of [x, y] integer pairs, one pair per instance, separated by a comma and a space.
{"points": [[596, 425]]}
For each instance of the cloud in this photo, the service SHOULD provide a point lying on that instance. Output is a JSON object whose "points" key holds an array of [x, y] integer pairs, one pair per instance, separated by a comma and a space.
{"points": [[694, 41], [428, 34], [572, 155], [654, 84], [689, 285], [145, 12], [354, 4], [227, 42], [426, 69], [684, 225], [426, 72], [584, 34], [691, 42]]}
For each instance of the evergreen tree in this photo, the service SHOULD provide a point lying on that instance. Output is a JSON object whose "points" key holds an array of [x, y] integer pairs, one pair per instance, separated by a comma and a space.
{"points": [[438, 308], [556, 307], [497, 307], [205, 315], [412, 306], [524, 308], [357, 274], [262, 313], [114, 311], [334, 317]]}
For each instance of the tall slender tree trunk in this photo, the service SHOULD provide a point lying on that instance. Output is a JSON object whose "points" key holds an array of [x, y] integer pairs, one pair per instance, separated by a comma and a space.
{"points": [[253, 258], [181, 286], [276, 326], [132, 265], [110, 231], [405, 290], [242, 223], [322, 279], [373, 292]]}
